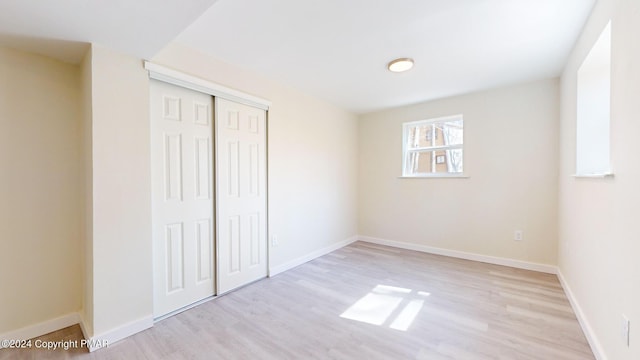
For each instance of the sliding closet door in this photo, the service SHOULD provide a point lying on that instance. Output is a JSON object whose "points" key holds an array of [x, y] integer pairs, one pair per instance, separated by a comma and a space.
{"points": [[182, 196], [241, 166]]}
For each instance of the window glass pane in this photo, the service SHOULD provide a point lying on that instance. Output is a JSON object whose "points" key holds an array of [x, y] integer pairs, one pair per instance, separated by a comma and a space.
{"points": [[441, 161], [594, 108], [430, 162], [450, 133], [419, 162], [420, 136], [453, 159], [434, 147]]}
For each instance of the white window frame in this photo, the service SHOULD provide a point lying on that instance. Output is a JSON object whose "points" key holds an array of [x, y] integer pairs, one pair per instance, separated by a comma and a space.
{"points": [[405, 150], [593, 110]]}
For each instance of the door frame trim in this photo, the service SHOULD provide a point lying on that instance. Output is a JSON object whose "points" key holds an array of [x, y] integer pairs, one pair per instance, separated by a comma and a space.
{"points": [[175, 77]]}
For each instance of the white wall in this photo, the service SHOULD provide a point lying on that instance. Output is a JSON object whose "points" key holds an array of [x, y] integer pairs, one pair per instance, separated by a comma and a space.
{"points": [[121, 240], [312, 154], [40, 182], [510, 155], [599, 248]]}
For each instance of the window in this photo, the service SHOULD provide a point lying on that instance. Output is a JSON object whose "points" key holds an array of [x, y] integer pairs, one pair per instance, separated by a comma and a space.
{"points": [[593, 109], [433, 147]]}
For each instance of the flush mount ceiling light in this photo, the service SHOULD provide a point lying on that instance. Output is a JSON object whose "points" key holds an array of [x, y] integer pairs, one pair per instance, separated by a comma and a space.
{"points": [[400, 65]]}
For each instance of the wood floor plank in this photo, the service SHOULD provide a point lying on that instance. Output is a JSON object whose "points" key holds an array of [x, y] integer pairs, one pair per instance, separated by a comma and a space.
{"points": [[365, 301]]}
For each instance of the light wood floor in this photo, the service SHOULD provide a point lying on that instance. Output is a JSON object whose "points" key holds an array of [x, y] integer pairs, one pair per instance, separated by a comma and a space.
{"points": [[407, 305]]}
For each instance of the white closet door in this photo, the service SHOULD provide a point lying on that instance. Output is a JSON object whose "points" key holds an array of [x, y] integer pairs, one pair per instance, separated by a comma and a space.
{"points": [[182, 196], [241, 166]]}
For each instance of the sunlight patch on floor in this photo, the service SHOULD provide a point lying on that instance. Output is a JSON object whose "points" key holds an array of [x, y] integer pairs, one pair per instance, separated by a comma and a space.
{"points": [[387, 304]]}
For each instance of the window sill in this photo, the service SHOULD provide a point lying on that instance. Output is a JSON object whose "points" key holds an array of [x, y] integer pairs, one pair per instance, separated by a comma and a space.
{"points": [[593, 176], [436, 176]]}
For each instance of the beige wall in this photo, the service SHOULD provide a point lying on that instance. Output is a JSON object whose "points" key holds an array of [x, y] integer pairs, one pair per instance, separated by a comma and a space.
{"points": [[40, 188], [599, 252], [312, 157], [90, 192], [121, 240], [510, 156], [86, 102]]}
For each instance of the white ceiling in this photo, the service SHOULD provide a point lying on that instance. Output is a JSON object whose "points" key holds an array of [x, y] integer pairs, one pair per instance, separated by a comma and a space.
{"points": [[338, 50], [58, 28], [334, 49]]}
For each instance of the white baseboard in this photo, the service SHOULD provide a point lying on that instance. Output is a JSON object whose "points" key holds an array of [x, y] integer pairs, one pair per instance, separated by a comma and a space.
{"points": [[549, 269], [109, 337], [45, 327], [316, 254], [596, 347], [93, 343]]}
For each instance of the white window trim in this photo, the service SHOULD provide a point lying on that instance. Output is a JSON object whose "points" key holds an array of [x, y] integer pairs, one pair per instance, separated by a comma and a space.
{"points": [[406, 125], [593, 176], [436, 176]]}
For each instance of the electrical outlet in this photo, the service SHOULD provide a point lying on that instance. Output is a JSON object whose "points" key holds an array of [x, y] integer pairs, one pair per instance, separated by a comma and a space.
{"points": [[517, 235], [274, 241], [624, 329]]}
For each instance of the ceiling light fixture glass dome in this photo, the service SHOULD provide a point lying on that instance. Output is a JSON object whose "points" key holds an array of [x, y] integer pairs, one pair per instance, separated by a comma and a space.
{"points": [[400, 65]]}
